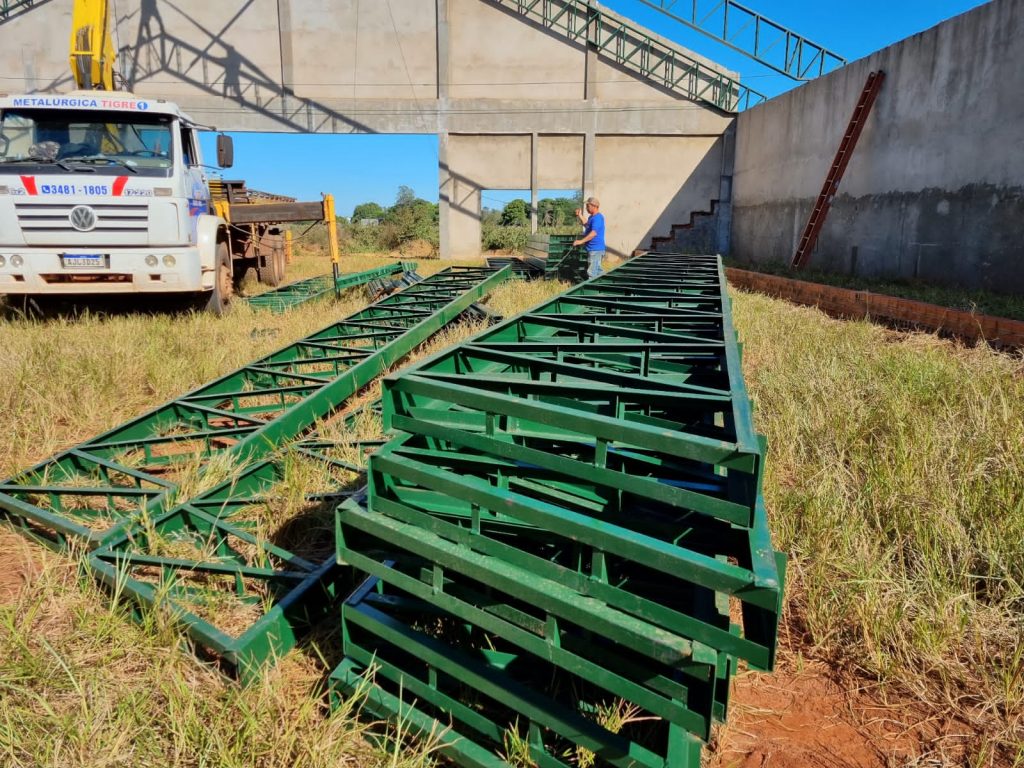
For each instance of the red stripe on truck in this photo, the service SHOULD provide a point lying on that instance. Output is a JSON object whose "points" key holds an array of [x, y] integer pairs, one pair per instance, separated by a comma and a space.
{"points": [[119, 184], [30, 184]]}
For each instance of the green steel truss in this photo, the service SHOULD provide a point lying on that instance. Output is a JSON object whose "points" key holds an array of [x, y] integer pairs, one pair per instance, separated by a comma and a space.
{"points": [[660, 63], [568, 515], [93, 491], [249, 565], [322, 287], [750, 33], [10, 7]]}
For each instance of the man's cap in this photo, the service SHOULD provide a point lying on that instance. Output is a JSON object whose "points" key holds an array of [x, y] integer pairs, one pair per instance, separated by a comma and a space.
{"points": [[594, 201]]}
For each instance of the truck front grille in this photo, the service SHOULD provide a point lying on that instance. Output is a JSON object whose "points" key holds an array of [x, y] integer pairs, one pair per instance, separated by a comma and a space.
{"points": [[54, 217]]}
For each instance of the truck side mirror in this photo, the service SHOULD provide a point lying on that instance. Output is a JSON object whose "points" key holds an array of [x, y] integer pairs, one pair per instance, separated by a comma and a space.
{"points": [[225, 151]]}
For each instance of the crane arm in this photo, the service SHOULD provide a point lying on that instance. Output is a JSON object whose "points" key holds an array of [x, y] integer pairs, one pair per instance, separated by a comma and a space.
{"points": [[92, 47]]}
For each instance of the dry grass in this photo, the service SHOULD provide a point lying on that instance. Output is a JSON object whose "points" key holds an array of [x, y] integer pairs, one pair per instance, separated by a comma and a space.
{"points": [[895, 478], [82, 684]]}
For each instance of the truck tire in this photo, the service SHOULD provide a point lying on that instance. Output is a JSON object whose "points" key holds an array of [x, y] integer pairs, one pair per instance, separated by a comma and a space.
{"points": [[223, 287], [272, 273]]}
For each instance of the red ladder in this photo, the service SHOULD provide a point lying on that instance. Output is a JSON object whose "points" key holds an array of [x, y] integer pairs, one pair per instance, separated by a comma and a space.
{"points": [[835, 174]]}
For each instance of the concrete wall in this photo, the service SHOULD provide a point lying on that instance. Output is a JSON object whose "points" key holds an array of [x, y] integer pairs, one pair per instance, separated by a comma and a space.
{"points": [[935, 188], [516, 105]]}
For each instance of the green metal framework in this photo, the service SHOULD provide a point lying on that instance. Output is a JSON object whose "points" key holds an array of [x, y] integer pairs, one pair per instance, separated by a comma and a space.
{"points": [[754, 35], [322, 287], [92, 492], [249, 565], [9, 7], [631, 47], [563, 261], [568, 516]]}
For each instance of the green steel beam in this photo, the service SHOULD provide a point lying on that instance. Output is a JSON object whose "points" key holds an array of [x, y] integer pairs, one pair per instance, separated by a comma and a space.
{"points": [[750, 33], [92, 492], [582, 485], [410, 676], [664, 65], [322, 287]]}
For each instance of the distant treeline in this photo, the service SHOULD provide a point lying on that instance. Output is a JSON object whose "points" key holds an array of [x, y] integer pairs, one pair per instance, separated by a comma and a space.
{"points": [[374, 228]]}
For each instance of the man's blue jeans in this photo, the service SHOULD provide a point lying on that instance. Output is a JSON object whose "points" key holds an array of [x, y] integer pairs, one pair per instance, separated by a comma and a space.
{"points": [[594, 263]]}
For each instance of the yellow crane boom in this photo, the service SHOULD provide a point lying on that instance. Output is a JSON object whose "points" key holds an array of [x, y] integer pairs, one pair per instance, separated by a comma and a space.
{"points": [[92, 51]]}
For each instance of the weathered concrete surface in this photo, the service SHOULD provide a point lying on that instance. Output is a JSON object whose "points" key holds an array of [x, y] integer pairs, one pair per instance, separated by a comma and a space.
{"points": [[484, 79], [935, 188]]}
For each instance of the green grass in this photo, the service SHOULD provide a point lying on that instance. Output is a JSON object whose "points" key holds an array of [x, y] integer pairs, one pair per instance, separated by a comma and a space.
{"points": [[978, 301], [895, 478]]}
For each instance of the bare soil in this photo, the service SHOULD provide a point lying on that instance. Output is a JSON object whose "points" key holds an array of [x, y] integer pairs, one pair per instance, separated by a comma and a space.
{"points": [[805, 716]]}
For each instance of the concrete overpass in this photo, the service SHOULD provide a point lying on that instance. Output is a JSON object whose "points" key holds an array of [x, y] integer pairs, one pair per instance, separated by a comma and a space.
{"points": [[522, 95]]}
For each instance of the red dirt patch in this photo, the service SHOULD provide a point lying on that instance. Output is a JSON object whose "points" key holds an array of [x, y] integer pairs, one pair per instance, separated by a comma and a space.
{"points": [[802, 716], [19, 565]]}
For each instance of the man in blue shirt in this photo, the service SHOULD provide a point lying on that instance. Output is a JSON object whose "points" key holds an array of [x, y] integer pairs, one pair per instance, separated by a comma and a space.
{"points": [[593, 236]]}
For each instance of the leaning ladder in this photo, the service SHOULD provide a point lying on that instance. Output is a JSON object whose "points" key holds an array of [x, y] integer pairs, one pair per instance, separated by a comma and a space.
{"points": [[835, 174]]}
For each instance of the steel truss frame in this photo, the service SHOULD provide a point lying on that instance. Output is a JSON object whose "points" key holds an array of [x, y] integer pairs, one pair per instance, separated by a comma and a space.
{"points": [[754, 35], [582, 486], [225, 553], [9, 7], [631, 47], [93, 492], [316, 288]]}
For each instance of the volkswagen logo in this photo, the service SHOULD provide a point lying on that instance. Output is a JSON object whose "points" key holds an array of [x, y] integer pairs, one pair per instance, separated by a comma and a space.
{"points": [[82, 218]]}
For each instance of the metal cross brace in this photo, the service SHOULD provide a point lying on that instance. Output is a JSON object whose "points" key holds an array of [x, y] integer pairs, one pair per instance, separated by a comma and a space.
{"points": [[316, 288], [92, 492]]}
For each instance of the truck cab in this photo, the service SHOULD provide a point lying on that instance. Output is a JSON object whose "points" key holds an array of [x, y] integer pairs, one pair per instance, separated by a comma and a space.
{"points": [[105, 192]]}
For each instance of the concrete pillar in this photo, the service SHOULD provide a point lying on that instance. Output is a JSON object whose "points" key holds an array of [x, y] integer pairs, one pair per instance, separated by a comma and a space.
{"points": [[445, 194], [533, 182], [446, 191], [284, 24], [724, 231], [589, 143], [589, 97], [464, 219], [443, 51]]}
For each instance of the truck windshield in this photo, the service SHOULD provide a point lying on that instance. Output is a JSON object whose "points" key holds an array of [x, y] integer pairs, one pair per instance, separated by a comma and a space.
{"points": [[62, 141]]}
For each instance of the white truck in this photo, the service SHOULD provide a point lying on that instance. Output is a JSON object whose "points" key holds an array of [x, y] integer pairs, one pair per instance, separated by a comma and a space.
{"points": [[106, 193]]}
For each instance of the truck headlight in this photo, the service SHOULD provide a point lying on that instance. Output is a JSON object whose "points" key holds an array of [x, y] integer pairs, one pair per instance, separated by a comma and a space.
{"points": [[169, 260], [16, 261], [3, 260], [151, 260]]}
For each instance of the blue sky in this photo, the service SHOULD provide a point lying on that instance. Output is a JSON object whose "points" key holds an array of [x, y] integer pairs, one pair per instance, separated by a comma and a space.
{"points": [[360, 168]]}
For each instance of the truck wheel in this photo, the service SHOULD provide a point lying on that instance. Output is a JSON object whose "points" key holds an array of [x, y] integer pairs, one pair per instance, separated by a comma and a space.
{"points": [[223, 287], [272, 273]]}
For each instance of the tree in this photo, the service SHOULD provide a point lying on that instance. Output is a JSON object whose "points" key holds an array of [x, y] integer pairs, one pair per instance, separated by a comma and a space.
{"points": [[413, 218], [557, 211], [367, 211], [405, 196], [515, 213]]}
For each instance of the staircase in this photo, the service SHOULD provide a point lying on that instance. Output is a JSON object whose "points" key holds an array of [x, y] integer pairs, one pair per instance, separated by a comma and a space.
{"points": [[700, 235]]}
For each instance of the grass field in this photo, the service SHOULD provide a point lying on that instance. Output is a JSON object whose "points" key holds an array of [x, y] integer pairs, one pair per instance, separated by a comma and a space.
{"points": [[979, 301], [895, 481]]}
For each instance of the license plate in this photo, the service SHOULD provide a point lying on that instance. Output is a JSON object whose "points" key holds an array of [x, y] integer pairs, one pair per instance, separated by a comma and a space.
{"points": [[84, 260]]}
